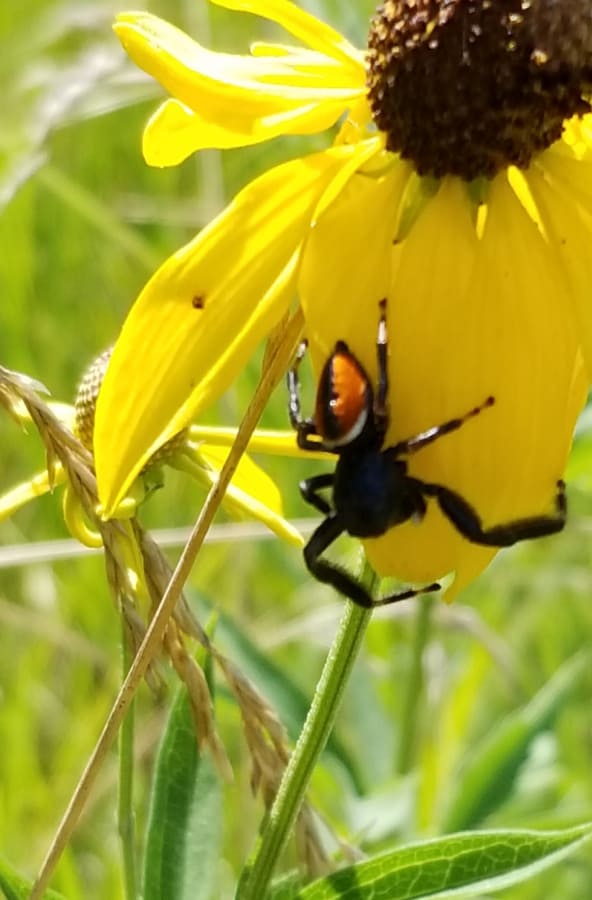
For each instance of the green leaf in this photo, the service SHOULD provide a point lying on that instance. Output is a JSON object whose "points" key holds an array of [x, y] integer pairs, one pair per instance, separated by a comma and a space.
{"points": [[455, 866], [185, 821], [15, 887], [291, 703], [489, 775]]}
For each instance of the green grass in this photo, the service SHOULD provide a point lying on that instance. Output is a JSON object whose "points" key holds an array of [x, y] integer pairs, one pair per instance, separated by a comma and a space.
{"points": [[83, 222]]}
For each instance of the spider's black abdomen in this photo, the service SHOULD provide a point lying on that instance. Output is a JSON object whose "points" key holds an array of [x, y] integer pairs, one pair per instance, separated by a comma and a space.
{"points": [[371, 492]]}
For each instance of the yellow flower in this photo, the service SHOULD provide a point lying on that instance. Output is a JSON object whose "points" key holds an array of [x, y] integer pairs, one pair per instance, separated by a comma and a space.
{"points": [[469, 208]]}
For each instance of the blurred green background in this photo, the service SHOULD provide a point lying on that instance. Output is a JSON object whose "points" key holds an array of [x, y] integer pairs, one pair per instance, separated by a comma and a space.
{"points": [[83, 223]]}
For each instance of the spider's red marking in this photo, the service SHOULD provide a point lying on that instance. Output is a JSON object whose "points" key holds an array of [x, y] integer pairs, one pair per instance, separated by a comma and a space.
{"points": [[343, 398]]}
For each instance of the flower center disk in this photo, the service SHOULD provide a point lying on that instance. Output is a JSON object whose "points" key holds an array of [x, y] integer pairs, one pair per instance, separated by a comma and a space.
{"points": [[468, 87]]}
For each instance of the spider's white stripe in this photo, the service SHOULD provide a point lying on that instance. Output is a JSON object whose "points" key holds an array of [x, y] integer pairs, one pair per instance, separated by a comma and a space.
{"points": [[355, 431]]}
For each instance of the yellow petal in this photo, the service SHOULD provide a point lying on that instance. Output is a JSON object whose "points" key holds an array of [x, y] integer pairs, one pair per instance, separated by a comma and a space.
{"points": [[362, 152], [346, 266], [565, 206], [576, 138], [276, 443], [228, 100], [573, 175], [272, 48], [491, 326], [249, 477], [467, 318], [76, 521], [307, 28], [200, 317], [36, 486], [240, 504], [175, 131], [65, 412], [191, 72], [252, 493]]}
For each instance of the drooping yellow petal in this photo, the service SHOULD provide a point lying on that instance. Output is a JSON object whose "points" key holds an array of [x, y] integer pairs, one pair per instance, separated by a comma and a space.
{"points": [[29, 490], [491, 326], [227, 100], [467, 319], [248, 476], [76, 520], [191, 72], [277, 443], [65, 412], [272, 48], [361, 153], [202, 314], [346, 269], [252, 493], [302, 25], [565, 206], [175, 131], [41, 483]]}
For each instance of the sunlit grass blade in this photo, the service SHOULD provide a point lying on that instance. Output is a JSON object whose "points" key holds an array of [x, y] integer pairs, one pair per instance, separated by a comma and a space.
{"points": [[460, 865], [185, 823], [489, 775]]}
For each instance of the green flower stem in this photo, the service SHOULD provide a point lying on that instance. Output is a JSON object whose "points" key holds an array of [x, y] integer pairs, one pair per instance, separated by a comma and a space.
{"points": [[414, 686], [125, 808], [255, 879]]}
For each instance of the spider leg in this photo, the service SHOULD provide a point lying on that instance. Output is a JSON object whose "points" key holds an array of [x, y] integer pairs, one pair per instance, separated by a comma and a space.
{"points": [[310, 488], [419, 441], [307, 436], [406, 595], [296, 419], [466, 520], [380, 402], [329, 573], [305, 428]]}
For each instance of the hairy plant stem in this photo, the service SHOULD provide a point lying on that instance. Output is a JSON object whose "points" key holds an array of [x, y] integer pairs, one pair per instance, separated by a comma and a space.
{"points": [[414, 686], [255, 879]]}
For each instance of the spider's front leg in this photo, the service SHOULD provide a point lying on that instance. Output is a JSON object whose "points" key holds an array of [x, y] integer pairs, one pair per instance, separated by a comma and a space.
{"points": [[305, 428]]}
